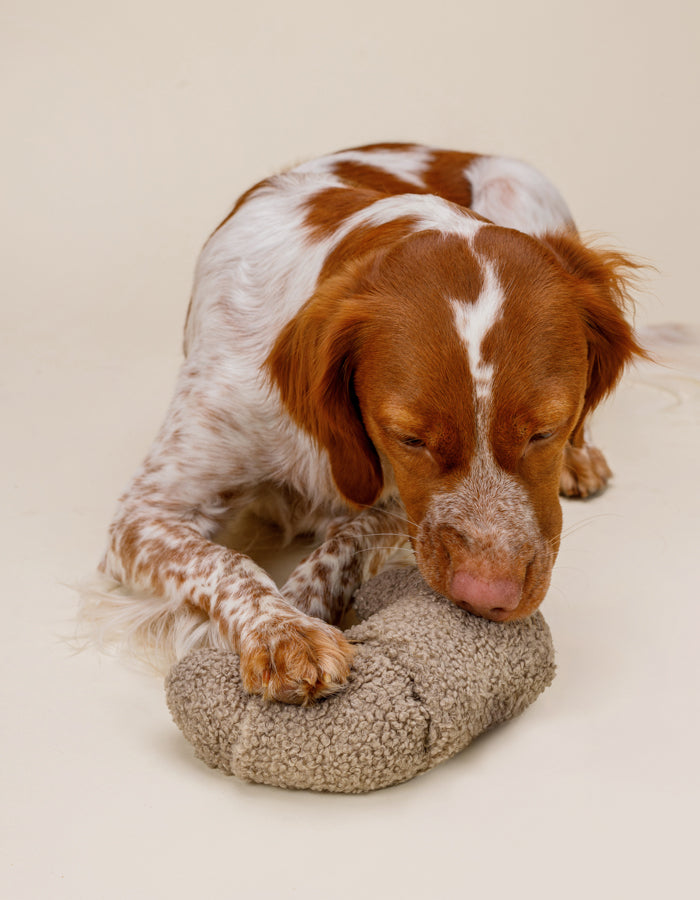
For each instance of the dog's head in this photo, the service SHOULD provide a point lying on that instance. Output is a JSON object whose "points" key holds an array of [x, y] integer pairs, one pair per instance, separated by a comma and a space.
{"points": [[454, 368]]}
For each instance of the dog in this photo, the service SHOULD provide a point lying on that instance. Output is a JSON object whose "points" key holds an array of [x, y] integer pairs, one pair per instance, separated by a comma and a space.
{"points": [[387, 344]]}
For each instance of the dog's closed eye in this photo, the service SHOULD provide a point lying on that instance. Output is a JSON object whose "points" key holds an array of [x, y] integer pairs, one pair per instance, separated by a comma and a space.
{"points": [[411, 441], [541, 436]]}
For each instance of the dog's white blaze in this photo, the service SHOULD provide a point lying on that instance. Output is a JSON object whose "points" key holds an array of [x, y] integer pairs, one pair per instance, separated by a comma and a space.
{"points": [[499, 509], [473, 322]]}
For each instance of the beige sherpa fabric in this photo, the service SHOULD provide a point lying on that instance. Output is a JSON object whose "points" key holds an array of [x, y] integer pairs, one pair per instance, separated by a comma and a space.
{"points": [[427, 678]]}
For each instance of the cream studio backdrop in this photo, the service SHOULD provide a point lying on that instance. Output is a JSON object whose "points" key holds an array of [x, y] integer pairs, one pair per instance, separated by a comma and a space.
{"points": [[129, 130]]}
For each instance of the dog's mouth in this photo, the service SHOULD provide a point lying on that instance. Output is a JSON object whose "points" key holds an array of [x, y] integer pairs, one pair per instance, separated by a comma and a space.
{"points": [[493, 615]]}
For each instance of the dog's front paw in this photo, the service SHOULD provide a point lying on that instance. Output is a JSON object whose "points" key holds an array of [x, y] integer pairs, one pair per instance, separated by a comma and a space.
{"points": [[295, 661], [585, 471]]}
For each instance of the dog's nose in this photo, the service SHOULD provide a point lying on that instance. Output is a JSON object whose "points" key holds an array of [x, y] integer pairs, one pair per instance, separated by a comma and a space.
{"points": [[493, 599]]}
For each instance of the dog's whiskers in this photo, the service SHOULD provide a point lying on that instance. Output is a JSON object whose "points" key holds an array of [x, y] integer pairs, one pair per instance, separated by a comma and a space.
{"points": [[396, 515], [377, 549], [579, 525]]}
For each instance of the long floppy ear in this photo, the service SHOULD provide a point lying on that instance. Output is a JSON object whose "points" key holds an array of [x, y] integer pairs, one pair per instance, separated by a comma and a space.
{"points": [[313, 363], [604, 278]]}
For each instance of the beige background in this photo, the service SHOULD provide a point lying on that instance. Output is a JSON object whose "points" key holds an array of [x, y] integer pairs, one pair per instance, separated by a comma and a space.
{"points": [[128, 130]]}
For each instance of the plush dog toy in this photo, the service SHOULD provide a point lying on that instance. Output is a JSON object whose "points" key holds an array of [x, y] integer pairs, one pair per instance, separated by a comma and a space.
{"points": [[427, 678]]}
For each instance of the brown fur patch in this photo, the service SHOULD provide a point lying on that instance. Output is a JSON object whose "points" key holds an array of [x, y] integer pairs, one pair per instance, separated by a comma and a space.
{"points": [[374, 178], [329, 208], [445, 176], [366, 239]]}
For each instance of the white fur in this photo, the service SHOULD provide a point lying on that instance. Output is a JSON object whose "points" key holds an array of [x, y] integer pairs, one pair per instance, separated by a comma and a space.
{"points": [[513, 194], [153, 631]]}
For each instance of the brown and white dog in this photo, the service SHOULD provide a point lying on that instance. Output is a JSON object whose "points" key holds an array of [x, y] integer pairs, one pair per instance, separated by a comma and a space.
{"points": [[387, 342]]}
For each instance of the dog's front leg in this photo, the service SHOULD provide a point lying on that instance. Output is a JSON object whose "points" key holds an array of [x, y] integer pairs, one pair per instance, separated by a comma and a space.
{"points": [[285, 654], [355, 549]]}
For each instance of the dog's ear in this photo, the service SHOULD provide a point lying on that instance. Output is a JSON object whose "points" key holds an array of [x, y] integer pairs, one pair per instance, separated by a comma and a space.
{"points": [[313, 363], [604, 280]]}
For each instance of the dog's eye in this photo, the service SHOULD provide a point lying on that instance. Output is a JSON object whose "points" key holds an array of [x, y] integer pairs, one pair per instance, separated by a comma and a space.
{"points": [[410, 441], [541, 436]]}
